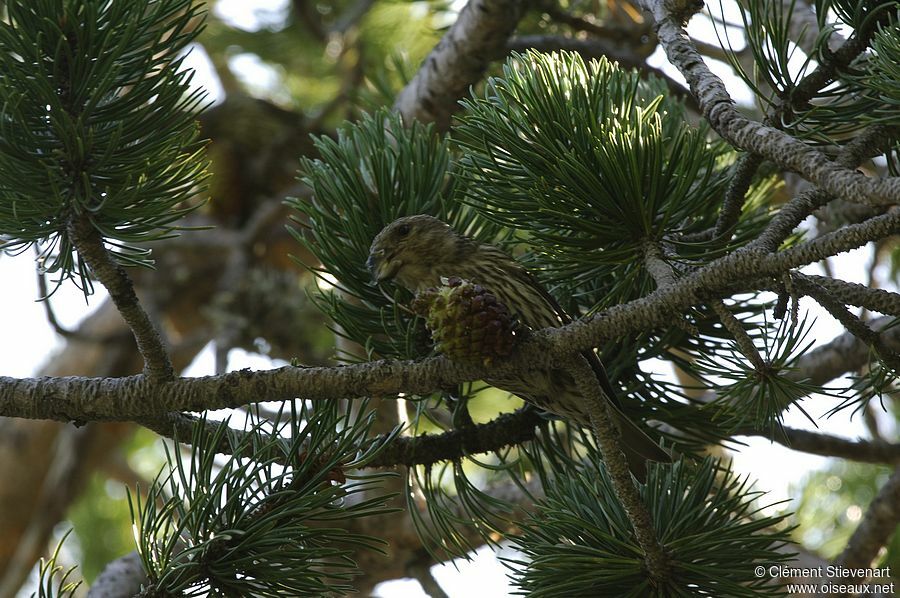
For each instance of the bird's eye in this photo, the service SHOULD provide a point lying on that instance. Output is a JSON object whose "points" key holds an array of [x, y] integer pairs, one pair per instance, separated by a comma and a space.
{"points": [[403, 230]]}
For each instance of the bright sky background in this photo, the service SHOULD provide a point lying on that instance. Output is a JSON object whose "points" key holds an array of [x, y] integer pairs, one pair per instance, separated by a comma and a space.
{"points": [[31, 342]]}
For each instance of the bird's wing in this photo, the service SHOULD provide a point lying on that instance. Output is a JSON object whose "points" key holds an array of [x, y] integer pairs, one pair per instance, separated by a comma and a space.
{"points": [[528, 278]]}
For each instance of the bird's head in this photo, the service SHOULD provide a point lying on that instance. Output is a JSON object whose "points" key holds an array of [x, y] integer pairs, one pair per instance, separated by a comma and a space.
{"points": [[411, 250]]}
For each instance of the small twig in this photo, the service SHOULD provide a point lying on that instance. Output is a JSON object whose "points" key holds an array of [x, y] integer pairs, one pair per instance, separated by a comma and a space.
{"points": [[44, 297], [743, 340], [736, 193], [837, 61], [656, 265], [789, 217], [89, 244], [607, 437]]}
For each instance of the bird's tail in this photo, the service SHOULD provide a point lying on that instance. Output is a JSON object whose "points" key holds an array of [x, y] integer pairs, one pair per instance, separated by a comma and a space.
{"points": [[637, 446]]}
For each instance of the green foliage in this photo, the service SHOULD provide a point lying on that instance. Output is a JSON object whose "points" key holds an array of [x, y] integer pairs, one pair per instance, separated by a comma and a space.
{"points": [[102, 525], [579, 540], [879, 382], [595, 169], [591, 164], [97, 122], [780, 69], [748, 397], [831, 503], [882, 77], [374, 172], [324, 57], [266, 520], [625, 170], [861, 15], [53, 581]]}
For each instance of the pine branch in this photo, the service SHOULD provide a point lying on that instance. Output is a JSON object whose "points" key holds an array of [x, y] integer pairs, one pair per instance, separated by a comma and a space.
{"points": [[844, 354], [508, 429], [859, 295], [593, 48], [50, 315], [607, 437], [827, 70], [827, 445], [655, 263], [718, 108], [851, 322], [825, 73], [459, 60], [744, 342], [735, 196], [81, 399], [749, 163], [656, 308], [89, 244], [122, 577], [863, 147]]}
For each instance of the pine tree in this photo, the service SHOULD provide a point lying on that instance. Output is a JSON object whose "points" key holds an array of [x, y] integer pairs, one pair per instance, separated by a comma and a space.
{"points": [[670, 225]]}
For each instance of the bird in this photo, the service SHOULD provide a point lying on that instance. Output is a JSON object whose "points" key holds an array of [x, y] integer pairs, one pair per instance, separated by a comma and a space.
{"points": [[418, 252]]}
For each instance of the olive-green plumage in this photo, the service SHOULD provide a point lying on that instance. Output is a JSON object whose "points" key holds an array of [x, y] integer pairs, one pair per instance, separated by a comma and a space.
{"points": [[418, 251]]}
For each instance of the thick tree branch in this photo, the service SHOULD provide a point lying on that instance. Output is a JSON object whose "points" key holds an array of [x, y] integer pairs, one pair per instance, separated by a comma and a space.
{"points": [[134, 398], [718, 108], [827, 445], [843, 354], [459, 60]]}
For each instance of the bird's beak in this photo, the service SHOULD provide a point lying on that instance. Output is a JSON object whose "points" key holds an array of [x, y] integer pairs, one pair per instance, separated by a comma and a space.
{"points": [[380, 268]]}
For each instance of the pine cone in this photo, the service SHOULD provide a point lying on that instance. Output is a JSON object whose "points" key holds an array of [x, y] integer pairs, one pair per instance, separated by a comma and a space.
{"points": [[467, 322]]}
